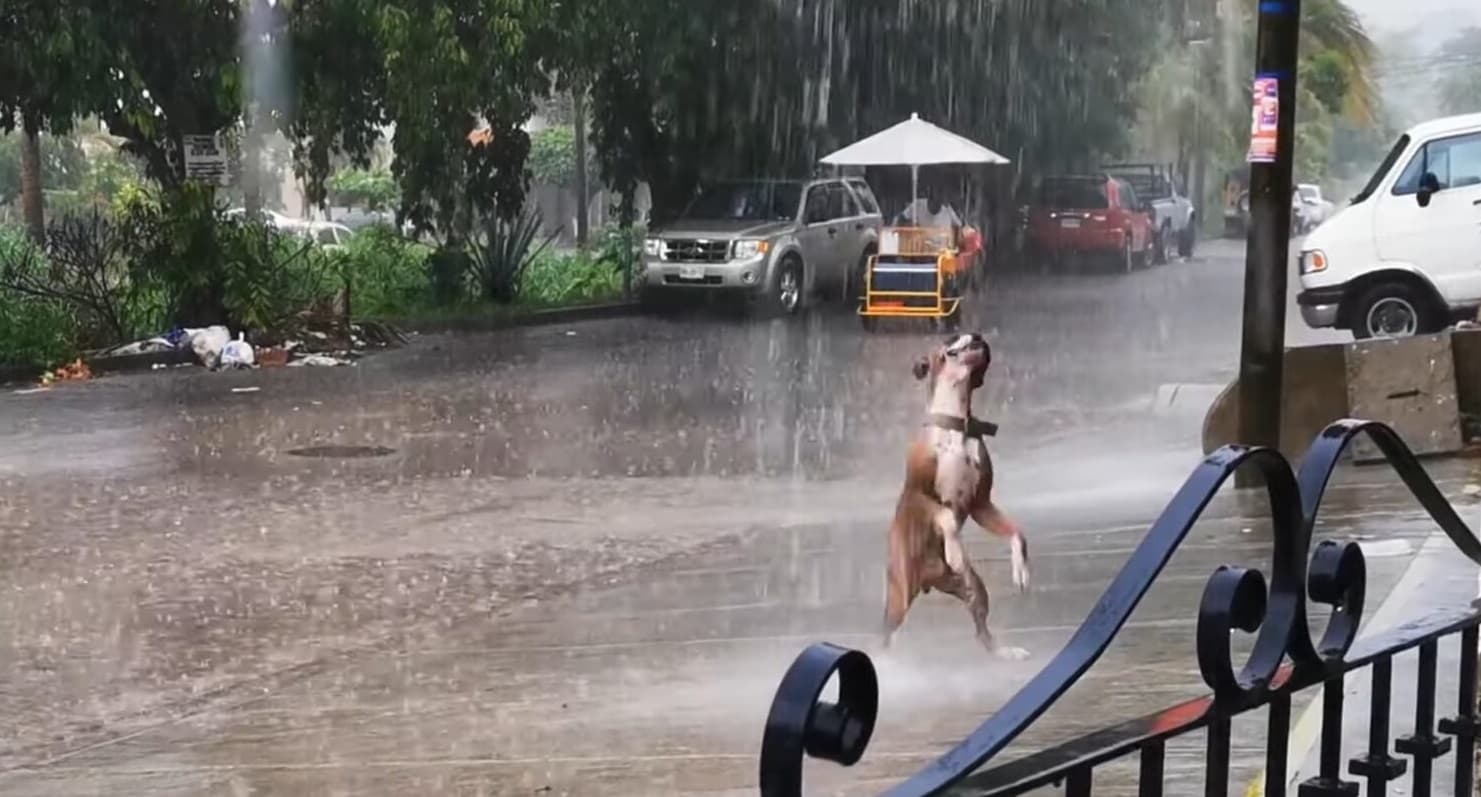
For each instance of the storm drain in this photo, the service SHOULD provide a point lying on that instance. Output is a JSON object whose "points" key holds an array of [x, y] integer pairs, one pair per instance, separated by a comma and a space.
{"points": [[342, 452]]}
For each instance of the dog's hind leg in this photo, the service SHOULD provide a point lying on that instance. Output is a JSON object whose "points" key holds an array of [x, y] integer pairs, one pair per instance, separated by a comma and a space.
{"points": [[990, 517], [969, 589], [900, 592]]}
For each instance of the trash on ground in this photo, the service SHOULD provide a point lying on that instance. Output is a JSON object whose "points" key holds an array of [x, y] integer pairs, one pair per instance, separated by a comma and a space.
{"points": [[75, 371], [319, 361], [272, 357], [207, 344], [154, 345], [28, 391], [245, 389], [238, 353], [1471, 489]]}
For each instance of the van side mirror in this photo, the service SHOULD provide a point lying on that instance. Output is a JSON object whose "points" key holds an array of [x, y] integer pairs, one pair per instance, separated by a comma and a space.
{"points": [[1429, 185]]}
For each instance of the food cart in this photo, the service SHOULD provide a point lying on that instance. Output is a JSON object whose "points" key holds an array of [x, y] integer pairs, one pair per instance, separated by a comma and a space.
{"points": [[919, 271]]}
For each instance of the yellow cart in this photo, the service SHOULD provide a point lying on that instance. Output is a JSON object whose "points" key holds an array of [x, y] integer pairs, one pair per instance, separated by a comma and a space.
{"points": [[918, 273]]}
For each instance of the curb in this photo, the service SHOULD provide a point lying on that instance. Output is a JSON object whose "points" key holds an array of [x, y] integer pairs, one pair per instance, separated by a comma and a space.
{"points": [[130, 363], [537, 318]]}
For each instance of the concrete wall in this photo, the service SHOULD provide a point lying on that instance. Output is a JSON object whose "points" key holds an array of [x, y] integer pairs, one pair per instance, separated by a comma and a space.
{"points": [[1315, 391]]}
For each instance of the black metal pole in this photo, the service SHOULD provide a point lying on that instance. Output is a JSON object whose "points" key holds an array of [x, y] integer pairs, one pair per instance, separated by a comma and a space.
{"points": [[1267, 255]]}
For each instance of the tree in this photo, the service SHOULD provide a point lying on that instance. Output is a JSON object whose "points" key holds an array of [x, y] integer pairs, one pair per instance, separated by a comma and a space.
{"points": [[1460, 80], [44, 84]]}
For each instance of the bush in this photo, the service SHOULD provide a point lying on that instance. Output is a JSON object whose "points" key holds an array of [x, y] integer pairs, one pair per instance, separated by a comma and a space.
{"points": [[388, 274], [371, 189], [35, 332], [500, 256], [574, 278]]}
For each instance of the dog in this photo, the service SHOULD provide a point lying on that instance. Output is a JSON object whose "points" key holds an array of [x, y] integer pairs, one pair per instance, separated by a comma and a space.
{"points": [[949, 478]]}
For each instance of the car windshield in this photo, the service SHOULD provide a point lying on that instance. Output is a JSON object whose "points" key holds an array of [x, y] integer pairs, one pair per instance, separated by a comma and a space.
{"points": [[746, 201], [1310, 192], [1074, 194], [1384, 168]]}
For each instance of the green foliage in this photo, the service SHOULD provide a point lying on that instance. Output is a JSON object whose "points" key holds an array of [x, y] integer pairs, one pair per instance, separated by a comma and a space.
{"points": [[553, 156], [267, 276], [569, 278], [387, 274], [35, 332], [448, 271], [63, 164], [500, 256], [371, 189]]}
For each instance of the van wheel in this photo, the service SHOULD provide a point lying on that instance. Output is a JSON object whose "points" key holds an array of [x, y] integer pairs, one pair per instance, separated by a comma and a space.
{"points": [[1394, 310]]}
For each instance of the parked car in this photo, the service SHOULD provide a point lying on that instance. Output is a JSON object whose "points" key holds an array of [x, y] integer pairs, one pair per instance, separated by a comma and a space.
{"points": [[1313, 207], [1098, 216], [1174, 219], [1405, 256], [327, 234], [778, 241]]}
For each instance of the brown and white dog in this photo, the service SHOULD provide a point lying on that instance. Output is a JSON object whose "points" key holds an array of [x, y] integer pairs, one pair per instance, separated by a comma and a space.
{"points": [[949, 478]]}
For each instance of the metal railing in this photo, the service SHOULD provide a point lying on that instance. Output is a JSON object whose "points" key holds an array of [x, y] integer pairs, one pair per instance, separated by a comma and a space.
{"points": [[1284, 659]]}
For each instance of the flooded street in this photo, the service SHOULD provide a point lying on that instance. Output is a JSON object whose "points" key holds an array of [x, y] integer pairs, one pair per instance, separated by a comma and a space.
{"points": [[584, 554]]}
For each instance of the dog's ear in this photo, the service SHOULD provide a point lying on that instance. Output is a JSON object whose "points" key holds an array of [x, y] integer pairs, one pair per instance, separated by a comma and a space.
{"points": [[922, 368]]}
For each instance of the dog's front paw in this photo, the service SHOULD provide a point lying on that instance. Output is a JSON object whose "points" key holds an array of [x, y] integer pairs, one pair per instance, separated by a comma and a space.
{"points": [[1021, 579], [1010, 653]]}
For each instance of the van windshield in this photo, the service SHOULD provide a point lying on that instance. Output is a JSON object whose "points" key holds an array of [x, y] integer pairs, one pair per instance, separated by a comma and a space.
{"points": [[1383, 169]]}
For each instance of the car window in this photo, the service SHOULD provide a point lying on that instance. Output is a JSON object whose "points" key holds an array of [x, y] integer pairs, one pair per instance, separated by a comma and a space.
{"points": [[841, 204], [1309, 192], [866, 196], [816, 210], [325, 235], [1129, 199], [1455, 162], [1074, 195]]}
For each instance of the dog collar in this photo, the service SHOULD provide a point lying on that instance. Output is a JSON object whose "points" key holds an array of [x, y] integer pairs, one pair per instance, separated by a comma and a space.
{"points": [[971, 427]]}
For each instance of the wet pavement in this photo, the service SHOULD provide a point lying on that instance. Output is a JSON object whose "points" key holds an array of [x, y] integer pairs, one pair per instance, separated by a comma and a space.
{"points": [[590, 551]]}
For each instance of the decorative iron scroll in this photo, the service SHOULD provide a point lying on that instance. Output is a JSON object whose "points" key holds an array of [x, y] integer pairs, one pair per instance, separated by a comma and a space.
{"points": [[1335, 574]]}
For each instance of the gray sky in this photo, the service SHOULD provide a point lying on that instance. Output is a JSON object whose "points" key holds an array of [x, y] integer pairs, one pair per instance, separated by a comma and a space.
{"points": [[1380, 15]]}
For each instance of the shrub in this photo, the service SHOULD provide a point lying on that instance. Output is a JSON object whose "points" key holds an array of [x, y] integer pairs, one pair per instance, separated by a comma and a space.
{"points": [[555, 279], [35, 332], [500, 256], [388, 274]]}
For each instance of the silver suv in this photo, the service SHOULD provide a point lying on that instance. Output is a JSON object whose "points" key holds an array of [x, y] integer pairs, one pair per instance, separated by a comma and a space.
{"points": [[780, 241]]}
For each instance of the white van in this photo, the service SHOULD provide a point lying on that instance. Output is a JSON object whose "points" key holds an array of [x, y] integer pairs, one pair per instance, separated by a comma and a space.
{"points": [[1405, 257]]}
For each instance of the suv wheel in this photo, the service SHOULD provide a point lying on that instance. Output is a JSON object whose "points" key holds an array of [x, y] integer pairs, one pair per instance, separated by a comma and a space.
{"points": [[1127, 257], [785, 296], [1394, 310]]}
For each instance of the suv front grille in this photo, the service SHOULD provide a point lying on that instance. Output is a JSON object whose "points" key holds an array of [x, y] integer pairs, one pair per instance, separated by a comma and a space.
{"points": [[692, 251]]}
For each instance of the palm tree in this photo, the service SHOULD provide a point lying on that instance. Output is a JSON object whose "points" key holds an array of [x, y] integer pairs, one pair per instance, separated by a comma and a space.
{"points": [[1332, 26]]}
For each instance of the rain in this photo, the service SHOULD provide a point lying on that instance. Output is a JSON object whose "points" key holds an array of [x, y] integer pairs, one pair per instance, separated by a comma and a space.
{"points": [[568, 544]]}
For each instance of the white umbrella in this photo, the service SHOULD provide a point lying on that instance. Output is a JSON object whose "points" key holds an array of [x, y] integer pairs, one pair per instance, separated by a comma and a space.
{"points": [[914, 143]]}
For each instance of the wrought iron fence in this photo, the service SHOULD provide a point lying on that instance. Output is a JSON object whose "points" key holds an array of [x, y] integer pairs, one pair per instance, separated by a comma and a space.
{"points": [[1284, 660]]}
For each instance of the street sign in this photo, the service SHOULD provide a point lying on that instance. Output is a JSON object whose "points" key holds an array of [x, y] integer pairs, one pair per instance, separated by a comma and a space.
{"points": [[205, 159]]}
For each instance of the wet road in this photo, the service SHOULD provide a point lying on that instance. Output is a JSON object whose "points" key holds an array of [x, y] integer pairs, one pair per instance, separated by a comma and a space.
{"points": [[588, 554]]}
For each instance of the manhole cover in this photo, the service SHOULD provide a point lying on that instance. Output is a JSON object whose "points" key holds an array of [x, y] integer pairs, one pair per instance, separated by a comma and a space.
{"points": [[342, 452]]}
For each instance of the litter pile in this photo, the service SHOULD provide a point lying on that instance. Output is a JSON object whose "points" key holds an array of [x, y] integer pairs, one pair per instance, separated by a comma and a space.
{"points": [[304, 341]]}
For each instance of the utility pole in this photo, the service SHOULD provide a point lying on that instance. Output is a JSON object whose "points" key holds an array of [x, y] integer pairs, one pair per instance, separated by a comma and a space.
{"points": [[1267, 255]]}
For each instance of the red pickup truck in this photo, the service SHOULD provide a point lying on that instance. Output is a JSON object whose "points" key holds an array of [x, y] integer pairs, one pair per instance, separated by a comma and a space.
{"points": [[1095, 215]]}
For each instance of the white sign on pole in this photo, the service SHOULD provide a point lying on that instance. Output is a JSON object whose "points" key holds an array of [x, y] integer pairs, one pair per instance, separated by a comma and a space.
{"points": [[205, 159]]}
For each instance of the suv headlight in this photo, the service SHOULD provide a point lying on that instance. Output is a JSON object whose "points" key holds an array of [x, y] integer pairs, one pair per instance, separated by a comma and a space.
{"points": [[742, 250], [653, 247], [1313, 261]]}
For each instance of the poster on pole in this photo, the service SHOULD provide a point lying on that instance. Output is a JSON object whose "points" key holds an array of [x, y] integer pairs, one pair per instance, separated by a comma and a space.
{"points": [[205, 159], [1265, 120]]}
